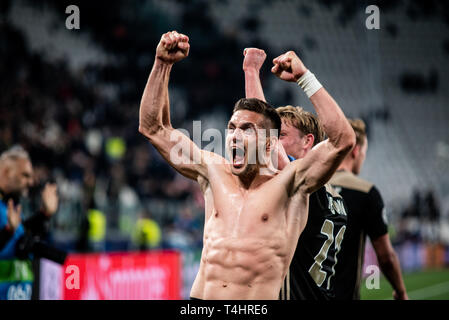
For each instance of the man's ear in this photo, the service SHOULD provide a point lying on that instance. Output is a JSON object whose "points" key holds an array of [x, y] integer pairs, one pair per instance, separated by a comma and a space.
{"points": [[355, 151], [310, 139]]}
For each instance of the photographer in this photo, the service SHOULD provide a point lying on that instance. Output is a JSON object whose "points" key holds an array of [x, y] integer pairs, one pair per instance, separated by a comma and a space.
{"points": [[23, 240]]}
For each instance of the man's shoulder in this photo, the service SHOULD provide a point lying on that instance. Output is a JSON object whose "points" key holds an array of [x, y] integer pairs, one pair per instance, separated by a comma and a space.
{"points": [[348, 180], [211, 158], [328, 188]]}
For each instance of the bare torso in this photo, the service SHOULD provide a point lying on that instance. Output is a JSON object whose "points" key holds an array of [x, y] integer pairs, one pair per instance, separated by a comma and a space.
{"points": [[249, 236]]}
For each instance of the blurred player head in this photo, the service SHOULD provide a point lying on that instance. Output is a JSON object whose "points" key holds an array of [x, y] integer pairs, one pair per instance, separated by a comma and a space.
{"points": [[250, 119], [354, 160], [16, 172], [300, 131]]}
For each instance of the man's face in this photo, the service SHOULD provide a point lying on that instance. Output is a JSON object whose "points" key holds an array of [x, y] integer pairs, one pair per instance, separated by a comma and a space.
{"points": [[242, 141], [360, 157], [292, 140], [19, 177]]}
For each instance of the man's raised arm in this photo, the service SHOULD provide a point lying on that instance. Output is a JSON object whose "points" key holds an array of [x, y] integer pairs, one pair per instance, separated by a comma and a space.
{"points": [[320, 163], [253, 61], [154, 115]]}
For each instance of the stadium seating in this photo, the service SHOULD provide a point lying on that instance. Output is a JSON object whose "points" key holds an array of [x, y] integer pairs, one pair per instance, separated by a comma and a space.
{"points": [[363, 69]]}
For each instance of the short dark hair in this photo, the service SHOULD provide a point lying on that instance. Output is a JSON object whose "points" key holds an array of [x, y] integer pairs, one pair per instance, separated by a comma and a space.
{"points": [[261, 107]]}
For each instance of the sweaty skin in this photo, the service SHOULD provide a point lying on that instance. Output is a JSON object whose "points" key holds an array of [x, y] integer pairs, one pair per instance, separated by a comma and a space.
{"points": [[249, 239], [252, 221]]}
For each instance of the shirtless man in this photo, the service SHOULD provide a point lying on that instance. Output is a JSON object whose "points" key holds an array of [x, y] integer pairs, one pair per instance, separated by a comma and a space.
{"points": [[253, 220]]}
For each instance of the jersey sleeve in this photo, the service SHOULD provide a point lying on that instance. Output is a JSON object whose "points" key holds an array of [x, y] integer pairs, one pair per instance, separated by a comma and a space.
{"points": [[375, 222]]}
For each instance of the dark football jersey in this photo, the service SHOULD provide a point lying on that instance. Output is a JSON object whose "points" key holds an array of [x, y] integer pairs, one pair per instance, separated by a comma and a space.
{"points": [[366, 216], [312, 270]]}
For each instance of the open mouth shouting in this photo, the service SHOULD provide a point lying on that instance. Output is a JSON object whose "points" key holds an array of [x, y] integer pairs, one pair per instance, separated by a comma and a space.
{"points": [[238, 157]]}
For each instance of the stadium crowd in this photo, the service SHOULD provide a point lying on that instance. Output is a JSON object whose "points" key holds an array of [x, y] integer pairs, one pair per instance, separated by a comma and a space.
{"points": [[80, 128]]}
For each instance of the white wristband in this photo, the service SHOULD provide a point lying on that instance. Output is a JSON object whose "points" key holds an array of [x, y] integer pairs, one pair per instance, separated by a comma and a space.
{"points": [[309, 83]]}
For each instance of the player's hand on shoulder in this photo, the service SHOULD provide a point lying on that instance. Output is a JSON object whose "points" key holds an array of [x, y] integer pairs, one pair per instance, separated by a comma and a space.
{"points": [[254, 59], [172, 47], [288, 67]]}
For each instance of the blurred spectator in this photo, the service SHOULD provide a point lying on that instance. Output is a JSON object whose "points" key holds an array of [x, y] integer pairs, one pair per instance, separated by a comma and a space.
{"points": [[16, 178], [431, 207], [420, 218], [147, 233], [24, 241], [97, 229]]}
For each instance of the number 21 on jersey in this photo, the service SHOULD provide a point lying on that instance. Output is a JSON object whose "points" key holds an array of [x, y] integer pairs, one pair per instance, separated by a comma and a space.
{"points": [[316, 270]]}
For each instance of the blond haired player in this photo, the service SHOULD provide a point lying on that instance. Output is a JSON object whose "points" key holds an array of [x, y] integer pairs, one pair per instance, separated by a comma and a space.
{"points": [[311, 275]]}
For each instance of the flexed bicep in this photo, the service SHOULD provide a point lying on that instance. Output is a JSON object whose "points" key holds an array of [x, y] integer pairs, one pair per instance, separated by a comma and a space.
{"points": [[320, 163], [154, 117], [183, 154], [317, 167]]}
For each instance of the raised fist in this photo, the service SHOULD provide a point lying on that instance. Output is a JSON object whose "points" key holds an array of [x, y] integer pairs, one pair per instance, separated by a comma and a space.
{"points": [[288, 67], [254, 58], [173, 47]]}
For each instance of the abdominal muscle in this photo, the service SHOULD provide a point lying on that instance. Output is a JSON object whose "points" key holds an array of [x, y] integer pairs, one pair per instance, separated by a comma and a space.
{"points": [[248, 243], [241, 268]]}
